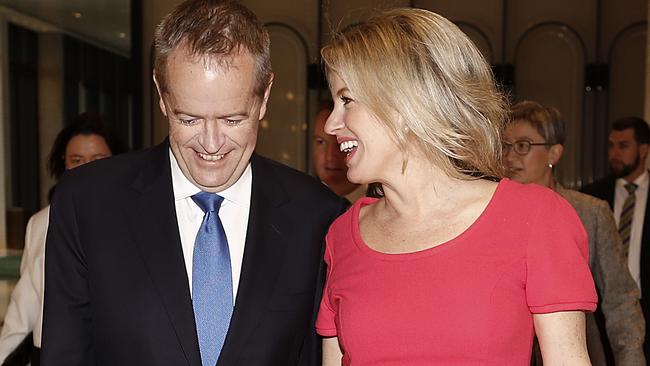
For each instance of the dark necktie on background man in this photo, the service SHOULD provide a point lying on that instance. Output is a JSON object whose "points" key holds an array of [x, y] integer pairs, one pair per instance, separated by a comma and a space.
{"points": [[627, 214], [212, 294]]}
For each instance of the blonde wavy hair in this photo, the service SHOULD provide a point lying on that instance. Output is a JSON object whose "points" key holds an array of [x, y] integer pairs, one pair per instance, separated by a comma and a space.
{"points": [[417, 65]]}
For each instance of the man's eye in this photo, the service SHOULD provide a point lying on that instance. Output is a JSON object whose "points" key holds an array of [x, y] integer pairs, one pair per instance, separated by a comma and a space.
{"points": [[233, 122], [188, 122]]}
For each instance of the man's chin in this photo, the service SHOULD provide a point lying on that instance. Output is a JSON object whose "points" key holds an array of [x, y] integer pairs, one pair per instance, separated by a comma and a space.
{"points": [[620, 172]]}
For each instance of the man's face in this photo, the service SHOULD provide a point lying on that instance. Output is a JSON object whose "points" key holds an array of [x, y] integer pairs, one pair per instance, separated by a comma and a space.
{"points": [[624, 153], [213, 115], [329, 161]]}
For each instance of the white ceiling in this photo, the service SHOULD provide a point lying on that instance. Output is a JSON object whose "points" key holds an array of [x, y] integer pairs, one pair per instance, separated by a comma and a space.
{"points": [[104, 22]]}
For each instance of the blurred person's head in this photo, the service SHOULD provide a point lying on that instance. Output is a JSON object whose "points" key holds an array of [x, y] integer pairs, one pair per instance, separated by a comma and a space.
{"points": [[329, 161], [627, 148], [213, 74], [406, 83], [83, 140], [533, 142]]}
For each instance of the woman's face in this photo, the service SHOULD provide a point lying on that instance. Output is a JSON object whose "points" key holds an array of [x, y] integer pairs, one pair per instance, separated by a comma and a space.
{"points": [[82, 149], [532, 167], [370, 150]]}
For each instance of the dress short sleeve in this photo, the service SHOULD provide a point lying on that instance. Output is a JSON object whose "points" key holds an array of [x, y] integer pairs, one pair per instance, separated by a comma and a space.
{"points": [[557, 260], [325, 321]]}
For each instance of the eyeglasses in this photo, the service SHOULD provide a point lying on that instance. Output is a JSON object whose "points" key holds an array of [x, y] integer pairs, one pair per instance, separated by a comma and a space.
{"points": [[521, 147]]}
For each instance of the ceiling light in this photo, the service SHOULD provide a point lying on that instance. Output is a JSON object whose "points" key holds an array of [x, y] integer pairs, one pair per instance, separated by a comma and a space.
{"points": [[76, 14]]}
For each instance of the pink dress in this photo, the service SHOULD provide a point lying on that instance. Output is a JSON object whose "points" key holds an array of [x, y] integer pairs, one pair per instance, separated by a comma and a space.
{"points": [[468, 301]]}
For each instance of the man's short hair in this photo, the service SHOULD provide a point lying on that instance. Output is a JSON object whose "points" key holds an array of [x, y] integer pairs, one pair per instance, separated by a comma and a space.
{"points": [[216, 30], [640, 127]]}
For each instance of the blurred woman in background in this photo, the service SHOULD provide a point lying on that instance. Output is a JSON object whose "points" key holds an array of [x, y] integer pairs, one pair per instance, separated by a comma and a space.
{"points": [[82, 141]]}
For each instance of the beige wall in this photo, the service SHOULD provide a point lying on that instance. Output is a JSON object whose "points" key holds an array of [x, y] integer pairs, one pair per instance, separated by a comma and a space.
{"points": [[154, 124], [50, 101]]}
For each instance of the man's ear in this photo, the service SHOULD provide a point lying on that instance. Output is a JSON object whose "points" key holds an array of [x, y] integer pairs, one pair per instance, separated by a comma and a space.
{"points": [[555, 153], [643, 151], [265, 98], [163, 108]]}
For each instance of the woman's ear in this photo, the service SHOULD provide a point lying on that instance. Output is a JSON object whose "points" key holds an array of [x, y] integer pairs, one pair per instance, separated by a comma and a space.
{"points": [[555, 153]]}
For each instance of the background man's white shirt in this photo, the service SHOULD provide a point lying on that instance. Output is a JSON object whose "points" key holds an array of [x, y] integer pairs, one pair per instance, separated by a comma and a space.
{"points": [[641, 193]]}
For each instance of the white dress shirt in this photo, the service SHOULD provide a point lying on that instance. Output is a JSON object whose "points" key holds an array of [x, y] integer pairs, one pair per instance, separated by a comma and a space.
{"points": [[233, 213], [641, 193]]}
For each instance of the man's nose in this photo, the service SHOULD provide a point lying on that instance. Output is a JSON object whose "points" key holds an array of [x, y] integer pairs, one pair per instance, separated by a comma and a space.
{"points": [[212, 136]]}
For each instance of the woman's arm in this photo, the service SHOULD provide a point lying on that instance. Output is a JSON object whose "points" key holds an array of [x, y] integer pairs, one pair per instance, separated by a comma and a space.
{"points": [[331, 352], [562, 338]]}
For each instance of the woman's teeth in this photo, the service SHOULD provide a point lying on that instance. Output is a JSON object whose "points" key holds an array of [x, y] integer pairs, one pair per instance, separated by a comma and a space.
{"points": [[348, 146]]}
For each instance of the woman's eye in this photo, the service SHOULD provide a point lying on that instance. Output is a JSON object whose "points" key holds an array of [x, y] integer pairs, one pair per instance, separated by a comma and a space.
{"points": [[346, 100]]}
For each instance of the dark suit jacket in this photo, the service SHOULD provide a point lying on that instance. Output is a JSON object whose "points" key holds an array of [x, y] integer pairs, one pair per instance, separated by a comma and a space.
{"points": [[117, 291], [605, 190]]}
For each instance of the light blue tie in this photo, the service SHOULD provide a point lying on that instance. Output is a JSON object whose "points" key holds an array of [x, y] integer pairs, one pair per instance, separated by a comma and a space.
{"points": [[212, 296]]}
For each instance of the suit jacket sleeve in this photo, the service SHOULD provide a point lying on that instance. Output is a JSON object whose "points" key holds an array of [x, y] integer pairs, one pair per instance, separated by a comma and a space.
{"points": [[620, 305], [67, 318], [312, 353]]}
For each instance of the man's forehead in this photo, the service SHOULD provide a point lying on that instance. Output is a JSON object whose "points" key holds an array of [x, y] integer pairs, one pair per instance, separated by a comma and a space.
{"points": [[622, 135], [217, 63]]}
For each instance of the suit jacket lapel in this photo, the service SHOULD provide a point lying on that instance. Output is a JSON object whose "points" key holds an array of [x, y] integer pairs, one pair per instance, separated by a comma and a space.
{"points": [[263, 252], [154, 226]]}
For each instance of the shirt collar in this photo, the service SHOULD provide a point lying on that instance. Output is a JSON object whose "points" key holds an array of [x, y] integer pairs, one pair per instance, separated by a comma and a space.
{"points": [[641, 181], [238, 193]]}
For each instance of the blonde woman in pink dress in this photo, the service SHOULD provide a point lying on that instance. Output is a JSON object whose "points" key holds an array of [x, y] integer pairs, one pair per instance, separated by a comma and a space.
{"points": [[453, 266]]}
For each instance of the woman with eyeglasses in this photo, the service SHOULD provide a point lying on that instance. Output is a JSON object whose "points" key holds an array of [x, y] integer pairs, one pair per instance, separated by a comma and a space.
{"points": [[533, 145], [452, 266]]}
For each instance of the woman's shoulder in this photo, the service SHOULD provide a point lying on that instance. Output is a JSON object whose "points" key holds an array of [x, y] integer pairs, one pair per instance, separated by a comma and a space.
{"points": [[530, 199], [530, 192]]}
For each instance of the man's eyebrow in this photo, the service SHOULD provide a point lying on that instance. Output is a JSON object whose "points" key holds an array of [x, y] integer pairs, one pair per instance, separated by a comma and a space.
{"points": [[180, 111], [191, 115]]}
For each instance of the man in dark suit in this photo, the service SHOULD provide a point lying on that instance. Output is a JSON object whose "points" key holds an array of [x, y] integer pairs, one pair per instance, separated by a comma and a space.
{"points": [[197, 251], [626, 191]]}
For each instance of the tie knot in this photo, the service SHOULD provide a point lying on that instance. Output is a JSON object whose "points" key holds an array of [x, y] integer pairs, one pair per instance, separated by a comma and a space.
{"points": [[631, 187], [208, 201]]}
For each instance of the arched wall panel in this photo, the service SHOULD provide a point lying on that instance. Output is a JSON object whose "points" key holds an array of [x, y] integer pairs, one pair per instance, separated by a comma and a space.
{"points": [[550, 61], [283, 131], [626, 65]]}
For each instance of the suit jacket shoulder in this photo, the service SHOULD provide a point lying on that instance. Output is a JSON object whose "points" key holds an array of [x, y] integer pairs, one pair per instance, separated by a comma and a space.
{"points": [[296, 185], [602, 188], [583, 203]]}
